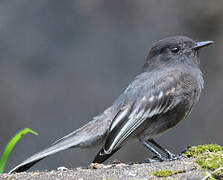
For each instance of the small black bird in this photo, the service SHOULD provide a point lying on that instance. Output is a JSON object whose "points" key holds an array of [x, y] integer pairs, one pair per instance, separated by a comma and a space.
{"points": [[157, 100]]}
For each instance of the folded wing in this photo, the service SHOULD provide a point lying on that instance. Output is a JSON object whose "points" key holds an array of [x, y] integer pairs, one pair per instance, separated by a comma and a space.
{"points": [[156, 100]]}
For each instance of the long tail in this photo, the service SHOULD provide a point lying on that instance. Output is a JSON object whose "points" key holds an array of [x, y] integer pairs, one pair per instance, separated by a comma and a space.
{"points": [[91, 134]]}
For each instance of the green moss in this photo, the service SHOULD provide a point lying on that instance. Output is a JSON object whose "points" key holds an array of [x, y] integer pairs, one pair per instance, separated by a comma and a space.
{"points": [[218, 174], [179, 171], [196, 151], [214, 175], [210, 161], [162, 173], [165, 173], [208, 157]]}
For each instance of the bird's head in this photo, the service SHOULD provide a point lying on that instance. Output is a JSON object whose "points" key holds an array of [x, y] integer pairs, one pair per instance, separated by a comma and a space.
{"points": [[177, 49]]}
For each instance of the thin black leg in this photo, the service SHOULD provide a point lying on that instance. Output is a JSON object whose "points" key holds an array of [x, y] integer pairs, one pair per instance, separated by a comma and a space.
{"points": [[170, 155], [158, 155]]}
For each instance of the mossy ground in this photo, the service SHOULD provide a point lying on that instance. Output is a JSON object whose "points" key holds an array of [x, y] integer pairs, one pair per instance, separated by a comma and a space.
{"points": [[209, 157], [162, 173], [166, 173], [196, 151]]}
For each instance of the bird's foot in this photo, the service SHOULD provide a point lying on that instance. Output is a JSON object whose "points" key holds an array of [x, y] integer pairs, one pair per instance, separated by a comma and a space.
{"points": [[171, 157], [156, 159], [150, 160]]}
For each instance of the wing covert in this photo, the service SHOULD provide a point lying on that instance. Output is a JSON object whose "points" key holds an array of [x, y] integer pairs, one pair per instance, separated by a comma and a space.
{"points": [[133, 113]]}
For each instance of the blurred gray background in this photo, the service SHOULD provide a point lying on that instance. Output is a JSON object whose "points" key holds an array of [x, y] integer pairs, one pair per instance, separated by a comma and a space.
{"points": [[63, 62]]}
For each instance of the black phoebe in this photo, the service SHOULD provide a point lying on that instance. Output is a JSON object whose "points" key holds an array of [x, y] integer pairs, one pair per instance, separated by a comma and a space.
{"points": [[156, 101]]}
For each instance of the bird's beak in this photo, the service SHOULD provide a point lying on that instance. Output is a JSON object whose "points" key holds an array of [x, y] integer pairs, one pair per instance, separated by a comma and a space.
{"points": [[201, 44]]}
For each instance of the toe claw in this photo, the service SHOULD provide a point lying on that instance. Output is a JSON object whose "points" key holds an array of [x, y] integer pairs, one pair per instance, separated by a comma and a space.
{"points": [[150, 160], [175, 157], [171, 157]]}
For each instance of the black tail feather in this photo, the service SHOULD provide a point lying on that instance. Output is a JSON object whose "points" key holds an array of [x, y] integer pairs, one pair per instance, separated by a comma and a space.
{"points": [[27, 166], [103, 156]]}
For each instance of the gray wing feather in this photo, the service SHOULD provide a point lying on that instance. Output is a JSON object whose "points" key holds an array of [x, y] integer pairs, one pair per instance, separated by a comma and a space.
{"points": [[136, 109]]}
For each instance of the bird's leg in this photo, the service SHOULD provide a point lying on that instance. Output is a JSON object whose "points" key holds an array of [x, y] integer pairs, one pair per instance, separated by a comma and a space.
{"points": [[158, 155], [170, 155]]}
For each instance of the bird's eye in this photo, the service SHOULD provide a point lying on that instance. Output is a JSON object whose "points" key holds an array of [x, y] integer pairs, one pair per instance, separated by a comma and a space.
{"points": [[175, 49]]}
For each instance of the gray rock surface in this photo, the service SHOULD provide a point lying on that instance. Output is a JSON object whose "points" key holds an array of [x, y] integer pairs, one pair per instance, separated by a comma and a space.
{"points": [[181, 169]]}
